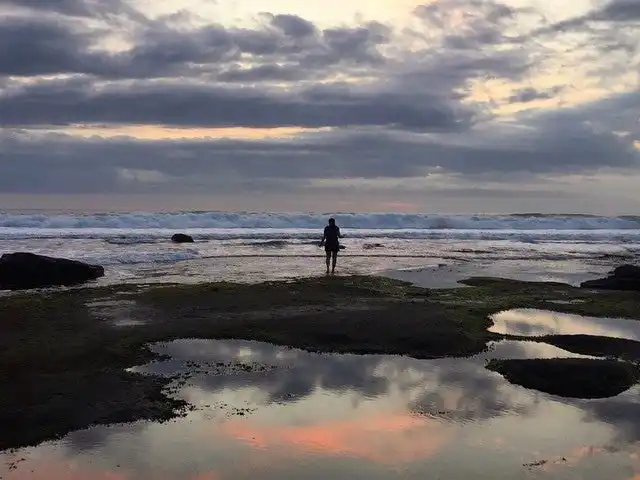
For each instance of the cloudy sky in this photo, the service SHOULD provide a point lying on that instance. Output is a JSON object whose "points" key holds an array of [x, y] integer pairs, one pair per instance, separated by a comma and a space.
{"points": [[289, 105]]}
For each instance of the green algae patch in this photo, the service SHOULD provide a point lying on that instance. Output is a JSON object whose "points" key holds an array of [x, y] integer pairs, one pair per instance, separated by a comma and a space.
{"points": [[569, 377], [63, 371], [494, 295], [355, 314], [46, 406], [221, 296]]}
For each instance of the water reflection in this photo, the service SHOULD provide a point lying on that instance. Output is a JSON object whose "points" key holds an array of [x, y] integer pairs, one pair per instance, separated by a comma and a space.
{"points": [[348, 416], [526, 349], [536, 323], [119, 313]]}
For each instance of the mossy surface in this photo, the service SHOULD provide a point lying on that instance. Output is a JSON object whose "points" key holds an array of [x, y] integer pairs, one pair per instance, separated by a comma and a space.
{"points": [[493, 295], [62, 367]]}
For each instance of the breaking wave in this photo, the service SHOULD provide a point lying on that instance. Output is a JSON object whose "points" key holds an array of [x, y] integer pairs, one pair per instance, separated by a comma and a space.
{"points": [[372, 221]]}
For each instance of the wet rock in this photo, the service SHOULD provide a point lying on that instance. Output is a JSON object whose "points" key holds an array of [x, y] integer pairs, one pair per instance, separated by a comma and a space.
{"points": [[22, 270], [624, 277], [371, 246], [569, 377], [182, 238], [597, 346], [627, 271], [613, 283]]}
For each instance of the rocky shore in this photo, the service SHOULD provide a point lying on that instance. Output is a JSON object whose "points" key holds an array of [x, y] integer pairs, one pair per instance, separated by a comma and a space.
{"points": [[64, 353]]}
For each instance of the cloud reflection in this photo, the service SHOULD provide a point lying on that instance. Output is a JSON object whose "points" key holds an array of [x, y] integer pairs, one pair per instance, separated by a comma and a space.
{"points": [[343, 416], [535, 323], [388, 439]]}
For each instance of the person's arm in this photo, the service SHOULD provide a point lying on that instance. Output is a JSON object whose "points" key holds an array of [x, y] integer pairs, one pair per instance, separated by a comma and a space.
{"points": [[324, 237]]}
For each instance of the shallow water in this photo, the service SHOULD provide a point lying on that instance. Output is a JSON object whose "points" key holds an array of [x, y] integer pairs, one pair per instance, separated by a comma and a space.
{"points": [[464, 253], [277, 413], [537, 323], [116, 311]]}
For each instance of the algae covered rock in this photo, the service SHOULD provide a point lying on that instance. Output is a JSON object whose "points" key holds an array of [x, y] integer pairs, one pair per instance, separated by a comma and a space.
{"points": [[569, 377], [624, 277], [182, 238], [22, 270]]}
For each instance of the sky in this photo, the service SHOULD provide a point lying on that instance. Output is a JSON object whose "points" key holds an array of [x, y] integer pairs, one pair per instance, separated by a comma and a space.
{"points": [[444, 106]]}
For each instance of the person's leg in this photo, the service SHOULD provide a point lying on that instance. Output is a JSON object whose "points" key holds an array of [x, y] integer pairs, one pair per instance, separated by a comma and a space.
{"points": [[328, 252], [334, 256]]}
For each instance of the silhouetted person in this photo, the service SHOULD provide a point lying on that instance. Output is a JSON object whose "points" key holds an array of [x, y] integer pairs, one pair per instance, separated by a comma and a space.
{"points": [[331, 243]]}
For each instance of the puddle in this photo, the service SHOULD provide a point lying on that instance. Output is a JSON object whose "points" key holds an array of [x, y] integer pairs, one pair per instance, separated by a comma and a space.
{"points": [[575, 301], [120, 313], [536, 323], [268, 412], [525, 350]]}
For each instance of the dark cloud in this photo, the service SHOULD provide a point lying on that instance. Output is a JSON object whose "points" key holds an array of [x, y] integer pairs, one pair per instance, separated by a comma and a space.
{"points": [[529, 94], [41, 47], [294, 26], [164, 103], [604, 41], [409, 112], [288, 40], [111, 11], [472, 13], [80, 8], [541, 145], [54, 46], [469, 24], [285, 48], [619, 11]]}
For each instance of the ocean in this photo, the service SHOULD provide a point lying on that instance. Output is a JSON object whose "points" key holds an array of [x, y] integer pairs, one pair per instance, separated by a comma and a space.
{"points": [[135, 247]]}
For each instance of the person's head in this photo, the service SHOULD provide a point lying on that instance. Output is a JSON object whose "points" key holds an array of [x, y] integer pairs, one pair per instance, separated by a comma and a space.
{"points": [[332, 222]]}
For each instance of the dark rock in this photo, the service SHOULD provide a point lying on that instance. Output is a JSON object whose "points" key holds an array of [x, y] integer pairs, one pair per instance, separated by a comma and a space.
{"points": [[597, 346], [182, 238], [627, 271], [613, 283], [21, 270], [624, 277], [569, 377], [370, 246]]}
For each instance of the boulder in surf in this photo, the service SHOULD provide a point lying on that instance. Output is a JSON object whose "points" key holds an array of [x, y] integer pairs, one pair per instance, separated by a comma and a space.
{"points": [[22, 271], [182, 238], [624, 277]]}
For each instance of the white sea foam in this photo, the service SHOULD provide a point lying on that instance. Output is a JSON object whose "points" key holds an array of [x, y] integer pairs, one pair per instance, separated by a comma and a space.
{"points": [[134, 258], [122, 236], [360, 221], [254, 247]]}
